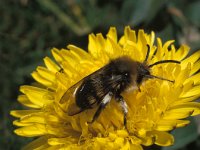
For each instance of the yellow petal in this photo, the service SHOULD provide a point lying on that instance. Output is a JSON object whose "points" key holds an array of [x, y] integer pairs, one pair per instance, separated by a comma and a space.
{"points": [[70, 59], [79, 52], [159, 48], [192, 92], [182, 123], [33, 118], [141, 38], [31, 131], [184, 100], [119, 143], [166, 46], [56, 55], [21, 124], [46, 74], [101, 41], [129, 35], [134, 53], [182, 111], [114, 48], [23, 99], [182, 52], [187, 86], [37, 96], [195, 78], [195, 67], [68, 70], [177, 114], [163, 138], [167, 125], [21, 113], [192, 107], [58, 141], [136, 147], [103, 53], [93, 48], [41, 80], [51, 65], [192, 59], [73, 55], [183, 75], [98, 127], [122, 133], [102, 141], [126, 146], [112, 34]]}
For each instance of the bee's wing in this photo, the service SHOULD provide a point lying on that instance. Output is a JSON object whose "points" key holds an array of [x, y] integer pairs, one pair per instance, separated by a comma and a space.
{"points": [[113, 82], [70, 93], [69, 97]]}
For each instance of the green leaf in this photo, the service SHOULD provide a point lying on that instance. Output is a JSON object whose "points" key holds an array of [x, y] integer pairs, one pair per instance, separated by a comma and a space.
{"points": [[192, 13], [135, 11], [184, 136], [156, 5]]}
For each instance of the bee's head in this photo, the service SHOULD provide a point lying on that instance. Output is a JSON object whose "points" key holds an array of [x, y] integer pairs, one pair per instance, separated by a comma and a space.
{"points": [[143, 70]]}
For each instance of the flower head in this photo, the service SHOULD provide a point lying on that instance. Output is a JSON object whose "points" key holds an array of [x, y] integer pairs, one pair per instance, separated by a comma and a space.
{"points": [[159, 107]]}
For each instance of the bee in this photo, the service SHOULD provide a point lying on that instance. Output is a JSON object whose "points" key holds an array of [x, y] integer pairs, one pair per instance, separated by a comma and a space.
{"points": [[110, 81]]}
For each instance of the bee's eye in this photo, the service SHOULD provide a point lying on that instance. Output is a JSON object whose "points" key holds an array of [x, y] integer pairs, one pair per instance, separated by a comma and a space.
{"points": [[147, 72], [139, 79]]}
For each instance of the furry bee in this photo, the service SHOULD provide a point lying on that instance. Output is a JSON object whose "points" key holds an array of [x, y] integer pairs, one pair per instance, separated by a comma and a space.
{"points": [[97, 89]]}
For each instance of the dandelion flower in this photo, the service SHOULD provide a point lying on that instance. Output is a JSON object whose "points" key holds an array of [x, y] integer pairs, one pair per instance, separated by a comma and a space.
{"points": [[158, 108]]}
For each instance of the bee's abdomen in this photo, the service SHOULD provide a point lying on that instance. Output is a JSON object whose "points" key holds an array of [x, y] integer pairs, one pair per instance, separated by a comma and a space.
{"points": [[87, 95]]}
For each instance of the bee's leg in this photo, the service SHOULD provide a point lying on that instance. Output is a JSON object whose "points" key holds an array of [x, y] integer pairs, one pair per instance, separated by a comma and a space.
{"points": [[61, 70], [123, 105], [138, 86], [103, 104]]}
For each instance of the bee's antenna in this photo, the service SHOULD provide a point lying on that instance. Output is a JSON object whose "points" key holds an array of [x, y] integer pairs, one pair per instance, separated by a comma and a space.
{"points": [[152, 76], [148, 51], [164, 61]]}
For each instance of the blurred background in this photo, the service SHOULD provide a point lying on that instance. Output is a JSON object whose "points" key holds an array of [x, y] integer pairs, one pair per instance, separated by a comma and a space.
{"points": [[29, 29]]}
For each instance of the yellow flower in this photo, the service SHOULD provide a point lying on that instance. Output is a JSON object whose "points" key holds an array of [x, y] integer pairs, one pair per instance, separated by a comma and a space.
{"points": [[160, 107]]}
